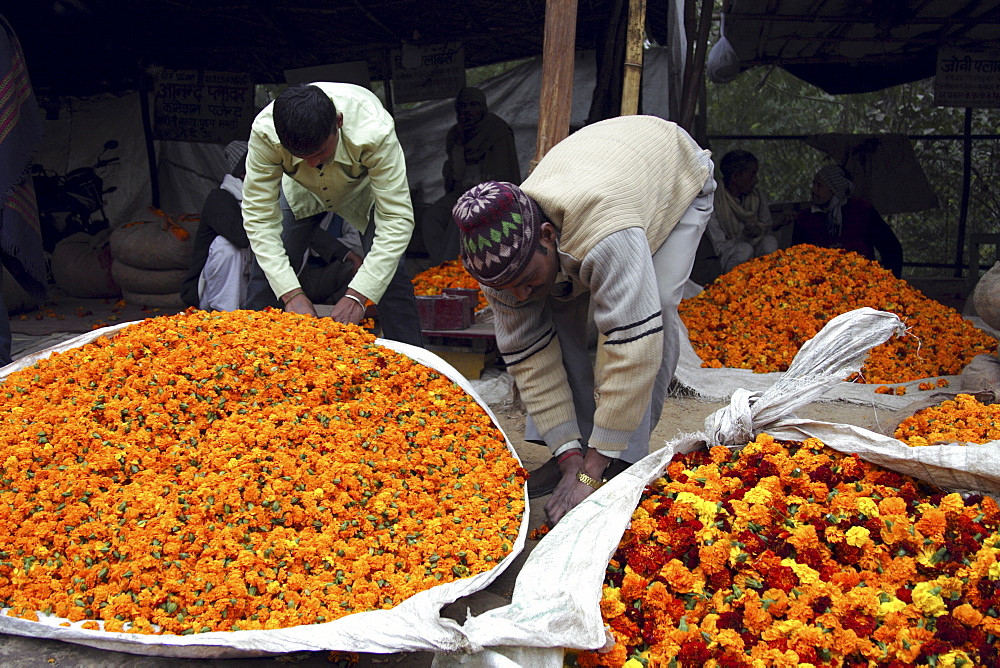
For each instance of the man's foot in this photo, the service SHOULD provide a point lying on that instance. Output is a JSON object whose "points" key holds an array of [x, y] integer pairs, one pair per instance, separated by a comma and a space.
{"points": [[543, 480]]}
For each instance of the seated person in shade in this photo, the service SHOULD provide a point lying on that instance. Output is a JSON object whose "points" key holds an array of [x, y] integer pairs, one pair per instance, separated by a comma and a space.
{"points": [[740, 227], [333, 258], [837, 220], [221, 258], [480, 147]]}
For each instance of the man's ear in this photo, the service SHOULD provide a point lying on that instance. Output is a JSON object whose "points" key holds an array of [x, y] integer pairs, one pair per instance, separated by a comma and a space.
{"points": [[547, 233], [340, 119]]}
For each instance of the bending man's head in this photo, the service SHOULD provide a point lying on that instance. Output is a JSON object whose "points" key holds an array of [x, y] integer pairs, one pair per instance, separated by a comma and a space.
{"points": [[305, 119], [506, 243]]}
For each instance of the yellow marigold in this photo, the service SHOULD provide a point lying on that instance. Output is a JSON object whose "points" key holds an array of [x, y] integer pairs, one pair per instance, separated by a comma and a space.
{"points": [[858, 536], [926, 596]]}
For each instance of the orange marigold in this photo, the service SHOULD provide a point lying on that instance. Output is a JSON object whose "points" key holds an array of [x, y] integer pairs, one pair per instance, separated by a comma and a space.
{"points": [[758, 315]]}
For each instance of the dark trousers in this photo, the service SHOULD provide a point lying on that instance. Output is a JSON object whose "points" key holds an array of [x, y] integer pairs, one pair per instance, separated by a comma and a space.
{"points": [[6, 339], [397, 310]]}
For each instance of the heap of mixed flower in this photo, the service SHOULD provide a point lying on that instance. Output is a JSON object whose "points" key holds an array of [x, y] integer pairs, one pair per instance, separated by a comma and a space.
{"points": [[758, 315], [787, 554], [451, 274], [244, 470], [963, 419]]}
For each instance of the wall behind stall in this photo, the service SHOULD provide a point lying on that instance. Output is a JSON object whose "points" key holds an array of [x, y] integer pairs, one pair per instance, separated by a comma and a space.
{"points": [[189, 170], [513, 96]]}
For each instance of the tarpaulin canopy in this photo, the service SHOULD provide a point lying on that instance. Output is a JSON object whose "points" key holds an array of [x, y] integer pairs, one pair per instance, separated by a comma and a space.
{"points": [[86, 47], [851, 46]]}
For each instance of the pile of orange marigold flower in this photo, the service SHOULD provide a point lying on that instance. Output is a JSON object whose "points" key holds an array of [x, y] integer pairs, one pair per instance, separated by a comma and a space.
{"points": [[788, 554], [451, 274], [963, 419], [758, 315], [244, 470]]}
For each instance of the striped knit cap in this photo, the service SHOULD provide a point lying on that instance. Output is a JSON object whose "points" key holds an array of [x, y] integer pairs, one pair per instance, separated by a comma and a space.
{"points": [[499, 226], [835, 179]]}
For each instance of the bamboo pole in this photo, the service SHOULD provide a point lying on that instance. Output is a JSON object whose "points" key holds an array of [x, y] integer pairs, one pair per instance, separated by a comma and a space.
{"points": [[556, 97], [696, 73], [635, 37]]}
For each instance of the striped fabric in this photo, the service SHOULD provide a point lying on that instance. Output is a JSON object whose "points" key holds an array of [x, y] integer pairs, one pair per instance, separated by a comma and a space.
{"points": [[20, 133]]}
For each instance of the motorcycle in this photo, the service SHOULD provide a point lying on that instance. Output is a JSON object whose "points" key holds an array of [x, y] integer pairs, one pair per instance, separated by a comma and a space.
{"points": [[72, 202]]}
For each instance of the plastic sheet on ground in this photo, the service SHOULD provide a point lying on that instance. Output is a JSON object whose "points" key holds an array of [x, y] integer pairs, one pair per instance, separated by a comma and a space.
{"points": [[413, 625], [556, 599], [720, 384]]}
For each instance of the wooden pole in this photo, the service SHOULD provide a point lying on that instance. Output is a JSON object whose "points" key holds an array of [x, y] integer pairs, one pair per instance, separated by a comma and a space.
{"points": [[635, 37], [147, 132], [556, 97], [963, 213], [696, 73]]}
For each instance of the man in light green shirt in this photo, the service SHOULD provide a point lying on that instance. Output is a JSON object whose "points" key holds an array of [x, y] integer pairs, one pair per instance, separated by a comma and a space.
{"points": [[330, 147]]}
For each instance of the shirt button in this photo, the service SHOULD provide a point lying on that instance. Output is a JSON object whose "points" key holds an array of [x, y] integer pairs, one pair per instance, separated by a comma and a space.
{"points": [[325, 188]]}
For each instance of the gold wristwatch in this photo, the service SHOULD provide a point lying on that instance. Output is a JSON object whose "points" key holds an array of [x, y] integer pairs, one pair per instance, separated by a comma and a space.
{"points": [[587, 480]]}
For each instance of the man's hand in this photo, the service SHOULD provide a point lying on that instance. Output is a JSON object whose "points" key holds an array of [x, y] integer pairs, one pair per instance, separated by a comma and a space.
{"points": [[299, 303], [570, 491], [349, 310], [354, 260]]}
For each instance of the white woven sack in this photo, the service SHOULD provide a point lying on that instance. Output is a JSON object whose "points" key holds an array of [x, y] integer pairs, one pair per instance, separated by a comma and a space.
{"points": [[556, 600], [413, 625], [720, 384]]}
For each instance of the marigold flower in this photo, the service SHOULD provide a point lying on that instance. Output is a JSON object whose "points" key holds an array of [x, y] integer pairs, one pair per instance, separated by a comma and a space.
{"points": [[758, 315], [243, 470], [843, 579]]}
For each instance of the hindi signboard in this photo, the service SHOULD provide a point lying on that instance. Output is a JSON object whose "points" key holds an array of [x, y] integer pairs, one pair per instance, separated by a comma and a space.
{"points": [[427, 72], [967, 78], [202, 106]]}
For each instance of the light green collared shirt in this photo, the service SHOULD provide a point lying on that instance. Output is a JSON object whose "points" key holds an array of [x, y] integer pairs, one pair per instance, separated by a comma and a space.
{"points": [[367, 169]]}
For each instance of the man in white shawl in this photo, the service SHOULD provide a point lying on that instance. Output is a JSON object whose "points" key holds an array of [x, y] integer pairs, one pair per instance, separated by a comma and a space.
{"points": [[740, 228]]}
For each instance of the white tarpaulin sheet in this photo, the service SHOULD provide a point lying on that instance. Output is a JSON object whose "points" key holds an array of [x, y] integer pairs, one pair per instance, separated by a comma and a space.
{"points": [[413, 625], [556, 600], [720, 384]]}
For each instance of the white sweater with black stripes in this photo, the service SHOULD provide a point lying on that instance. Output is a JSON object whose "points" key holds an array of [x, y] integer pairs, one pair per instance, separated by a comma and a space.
{"points": [[614, 190]]}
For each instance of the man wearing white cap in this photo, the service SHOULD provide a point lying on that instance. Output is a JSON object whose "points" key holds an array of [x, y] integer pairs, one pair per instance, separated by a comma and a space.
{"points": [[837, 220], [221, 259]]}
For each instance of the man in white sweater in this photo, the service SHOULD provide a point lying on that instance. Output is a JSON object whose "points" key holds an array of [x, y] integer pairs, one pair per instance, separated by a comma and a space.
{"points": [[608, 222]]}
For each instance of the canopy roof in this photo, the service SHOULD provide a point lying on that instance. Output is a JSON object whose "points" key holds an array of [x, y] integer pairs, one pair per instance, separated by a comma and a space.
{"points": [[87, 46], [855, 46]]}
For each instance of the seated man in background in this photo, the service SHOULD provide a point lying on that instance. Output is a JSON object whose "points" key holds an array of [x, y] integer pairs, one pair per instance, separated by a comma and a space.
{"points": [[333, 258], [740, 226], [221, 258], [480, 147], [837, 220]]}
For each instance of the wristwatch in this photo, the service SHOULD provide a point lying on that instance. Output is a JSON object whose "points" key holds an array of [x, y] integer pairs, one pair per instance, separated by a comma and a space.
{"points": [[587, 480]]}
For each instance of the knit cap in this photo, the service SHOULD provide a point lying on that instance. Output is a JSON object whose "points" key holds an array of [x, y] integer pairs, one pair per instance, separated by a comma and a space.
{"points": [[835, 179], [236, 155], [499, 226]]}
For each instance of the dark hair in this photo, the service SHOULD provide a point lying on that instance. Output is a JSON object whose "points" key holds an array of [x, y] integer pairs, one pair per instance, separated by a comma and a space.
{"points": [[304, 117], [735, 162]]}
